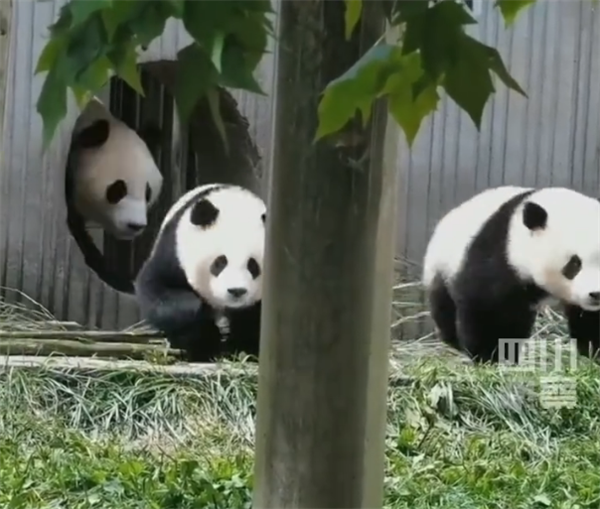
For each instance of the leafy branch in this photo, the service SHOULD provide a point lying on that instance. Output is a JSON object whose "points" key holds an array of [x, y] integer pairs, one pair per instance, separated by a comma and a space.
{"points": [[434, 53], [93, 40]]}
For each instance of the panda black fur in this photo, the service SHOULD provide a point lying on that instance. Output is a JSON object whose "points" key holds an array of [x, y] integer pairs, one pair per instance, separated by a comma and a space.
{"points": [[111, 180], [206, 264], [495, 258]]}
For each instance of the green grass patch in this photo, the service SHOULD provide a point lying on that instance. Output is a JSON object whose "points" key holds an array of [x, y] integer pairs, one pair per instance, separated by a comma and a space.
{"points": [[458, 437]]}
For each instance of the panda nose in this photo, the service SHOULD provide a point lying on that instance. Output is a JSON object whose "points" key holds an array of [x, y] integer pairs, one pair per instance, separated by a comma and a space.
{"points": [[595, 296], [136, 227], [237, 292]]}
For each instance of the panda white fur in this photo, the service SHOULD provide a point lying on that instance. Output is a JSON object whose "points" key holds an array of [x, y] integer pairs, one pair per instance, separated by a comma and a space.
{"points": [[495, 258], [112, 180], [206, 264], [115, 178]]}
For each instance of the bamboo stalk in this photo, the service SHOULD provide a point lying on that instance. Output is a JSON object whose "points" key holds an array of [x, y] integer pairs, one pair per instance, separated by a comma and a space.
{"points": [[83, 336], [75, 348], [65, 325], [183, 370]]}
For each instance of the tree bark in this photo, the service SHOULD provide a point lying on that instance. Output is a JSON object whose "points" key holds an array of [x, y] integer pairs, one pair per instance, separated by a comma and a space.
{"points": [[323, 367]]}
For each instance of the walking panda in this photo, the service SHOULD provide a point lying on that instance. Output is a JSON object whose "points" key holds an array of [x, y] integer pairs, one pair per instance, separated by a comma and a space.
{"points": [[205, 269], [495, 258], [111, 180]]}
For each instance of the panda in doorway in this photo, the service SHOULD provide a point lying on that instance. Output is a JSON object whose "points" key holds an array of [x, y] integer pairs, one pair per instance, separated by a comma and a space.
{"points": [[112, 180], [202, 282], [495, 258]]}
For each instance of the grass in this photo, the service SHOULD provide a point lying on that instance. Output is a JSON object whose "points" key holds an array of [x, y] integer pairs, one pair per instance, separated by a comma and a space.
{"points": [[457, 437]]}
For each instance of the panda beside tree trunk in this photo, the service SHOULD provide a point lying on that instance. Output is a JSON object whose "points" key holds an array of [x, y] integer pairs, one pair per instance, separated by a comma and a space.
{"points": [[205, 269]]}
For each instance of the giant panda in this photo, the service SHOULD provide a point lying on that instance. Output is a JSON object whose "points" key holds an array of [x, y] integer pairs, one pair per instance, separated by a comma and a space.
{"points": [[495, 258], [112, 180], [201, 285]]}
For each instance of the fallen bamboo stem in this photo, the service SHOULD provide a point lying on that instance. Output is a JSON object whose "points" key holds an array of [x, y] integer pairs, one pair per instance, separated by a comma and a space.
{"points": [[179, 370], [67, 347], [66, 325], [82, 336]]}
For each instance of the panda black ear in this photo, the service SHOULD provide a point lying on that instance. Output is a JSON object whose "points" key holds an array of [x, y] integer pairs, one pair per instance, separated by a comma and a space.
{"points": [[204, 214], [535, 216], [94, 135]]}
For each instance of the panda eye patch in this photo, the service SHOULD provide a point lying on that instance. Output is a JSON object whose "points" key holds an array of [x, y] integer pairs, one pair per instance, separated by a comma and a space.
{"points": [[572, 268], [253, 268], [218, 265], [148, 193], [116, 192]]}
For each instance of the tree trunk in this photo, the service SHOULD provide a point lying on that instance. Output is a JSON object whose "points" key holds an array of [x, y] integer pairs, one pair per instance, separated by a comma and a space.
{"points": [[329, 265]]}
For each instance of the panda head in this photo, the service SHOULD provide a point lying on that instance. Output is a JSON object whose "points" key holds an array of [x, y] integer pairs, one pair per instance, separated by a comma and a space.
{"points": [[559, 245], [115, 177], [220, 245]]}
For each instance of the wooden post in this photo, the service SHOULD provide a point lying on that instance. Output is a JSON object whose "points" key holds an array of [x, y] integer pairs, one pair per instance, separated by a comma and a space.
{"points": [[323, 367]]}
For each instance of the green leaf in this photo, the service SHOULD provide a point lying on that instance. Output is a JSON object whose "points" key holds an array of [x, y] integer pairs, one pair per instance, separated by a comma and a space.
{"points": [[468, 81], [409, 109], [436, 33], [95, 76], [110, 24], [496, 64], [151, 23], [178, 8], [85, 46], [356, 88], [63, 23], [402, 11], [195, 75], [236, 70], [353, 10], [263, 6], [52, 103], [252, 33], [82, 96], [83, 9], [511, 8], [125, 65], [410, 112], [52, 50], [213, 98], [204, 20], [217, 50], [121, 12]]}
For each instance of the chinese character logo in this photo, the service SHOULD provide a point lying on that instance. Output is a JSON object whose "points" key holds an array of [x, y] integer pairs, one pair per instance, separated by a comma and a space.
{"points": [[558, 391]]}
